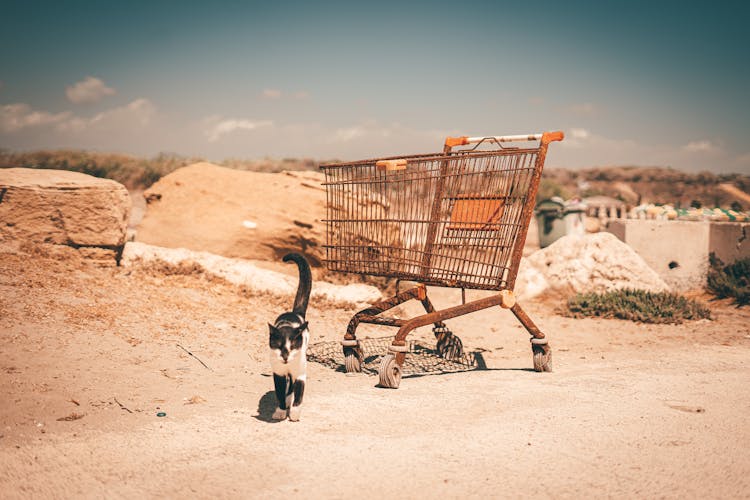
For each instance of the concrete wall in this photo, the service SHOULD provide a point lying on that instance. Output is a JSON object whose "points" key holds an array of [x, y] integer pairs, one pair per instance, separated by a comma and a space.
{"points": [[678, 250], [730, 241]]}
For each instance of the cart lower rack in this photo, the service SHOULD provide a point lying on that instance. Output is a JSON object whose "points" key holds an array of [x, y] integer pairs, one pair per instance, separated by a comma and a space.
{"points": [[453, 219]]}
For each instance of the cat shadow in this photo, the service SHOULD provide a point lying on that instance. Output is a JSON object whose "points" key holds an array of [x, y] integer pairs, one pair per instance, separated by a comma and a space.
{"points": [[266, 406]]}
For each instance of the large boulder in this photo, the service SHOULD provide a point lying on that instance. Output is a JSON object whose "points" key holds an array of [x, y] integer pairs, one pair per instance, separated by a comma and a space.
{"points": [[590, 263], [63, 208], [235, 213]]}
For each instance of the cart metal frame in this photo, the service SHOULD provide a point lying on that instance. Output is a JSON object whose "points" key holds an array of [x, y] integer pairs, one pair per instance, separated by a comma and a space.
{"points": [[456, 219]]}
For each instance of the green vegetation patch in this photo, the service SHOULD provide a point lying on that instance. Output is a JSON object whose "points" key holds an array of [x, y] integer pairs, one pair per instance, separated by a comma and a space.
{"points": [[638, 305], [730, 281]]}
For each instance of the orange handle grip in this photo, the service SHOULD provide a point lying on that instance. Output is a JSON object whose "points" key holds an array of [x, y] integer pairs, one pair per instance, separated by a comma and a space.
{"points": [[548, 137], [456, 141], [389, 165]]}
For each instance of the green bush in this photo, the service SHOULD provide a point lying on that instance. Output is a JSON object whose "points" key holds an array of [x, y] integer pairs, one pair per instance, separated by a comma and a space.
{"points": [[730, 281], [637, 305]]}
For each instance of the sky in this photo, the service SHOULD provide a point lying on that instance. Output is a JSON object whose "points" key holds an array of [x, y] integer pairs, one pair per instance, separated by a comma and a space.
{"points": [[630, 83]]}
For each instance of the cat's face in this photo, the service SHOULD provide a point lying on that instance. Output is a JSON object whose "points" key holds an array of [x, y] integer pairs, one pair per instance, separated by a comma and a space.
{"points": [[286, 339]]}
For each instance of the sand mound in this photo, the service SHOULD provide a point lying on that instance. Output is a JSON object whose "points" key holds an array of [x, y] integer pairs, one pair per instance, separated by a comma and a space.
{"points": [[244, 273], [590, 263], [235, 213]]}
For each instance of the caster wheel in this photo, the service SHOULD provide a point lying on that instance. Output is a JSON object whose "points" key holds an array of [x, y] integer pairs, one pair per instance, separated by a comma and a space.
{"points": [[353, 359], [449, 346], [390, 372], [542, 361]]}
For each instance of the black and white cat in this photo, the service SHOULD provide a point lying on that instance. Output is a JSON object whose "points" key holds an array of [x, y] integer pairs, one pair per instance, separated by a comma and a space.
{"points": [[288, 342]]}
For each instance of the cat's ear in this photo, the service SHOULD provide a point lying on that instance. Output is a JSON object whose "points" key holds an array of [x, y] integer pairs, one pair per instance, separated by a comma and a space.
{"points": [[272, 329], [303, 327]]}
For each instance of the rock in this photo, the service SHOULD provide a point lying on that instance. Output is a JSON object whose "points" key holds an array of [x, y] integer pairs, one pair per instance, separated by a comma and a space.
{"points": [[243, 272], [63, 208], [591, 263], [235, 213]]}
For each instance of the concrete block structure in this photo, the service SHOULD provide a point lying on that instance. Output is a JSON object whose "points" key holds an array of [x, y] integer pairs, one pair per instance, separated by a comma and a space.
{"points": [[678, 250]]}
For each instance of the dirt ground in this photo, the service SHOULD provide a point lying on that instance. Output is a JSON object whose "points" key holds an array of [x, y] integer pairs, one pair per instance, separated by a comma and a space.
{"points": [[90, 355]]}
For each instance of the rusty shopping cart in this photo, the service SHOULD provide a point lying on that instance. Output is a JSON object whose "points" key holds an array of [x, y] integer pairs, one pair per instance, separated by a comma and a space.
{"points": [[453, 219]]}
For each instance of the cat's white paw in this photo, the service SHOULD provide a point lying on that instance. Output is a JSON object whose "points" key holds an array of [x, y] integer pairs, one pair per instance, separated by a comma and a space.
{"points": [[294, 413], [279, 414]]}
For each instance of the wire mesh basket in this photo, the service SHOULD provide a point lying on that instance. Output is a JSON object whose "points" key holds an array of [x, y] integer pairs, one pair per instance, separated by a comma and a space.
{"points": [[454, 219], [422, 359]]}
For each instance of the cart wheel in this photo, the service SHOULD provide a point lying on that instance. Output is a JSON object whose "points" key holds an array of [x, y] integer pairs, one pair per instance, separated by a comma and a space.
{"points": [[353, 359], [542, 361], [450, 346], [390, 372]]}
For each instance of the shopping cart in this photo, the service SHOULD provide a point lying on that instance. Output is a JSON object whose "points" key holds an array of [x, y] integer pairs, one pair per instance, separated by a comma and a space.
{"points": [[453, 219]]}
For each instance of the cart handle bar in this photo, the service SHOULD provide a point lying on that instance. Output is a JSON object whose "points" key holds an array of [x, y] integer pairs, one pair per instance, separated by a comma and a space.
{"points": [[545, 137]]}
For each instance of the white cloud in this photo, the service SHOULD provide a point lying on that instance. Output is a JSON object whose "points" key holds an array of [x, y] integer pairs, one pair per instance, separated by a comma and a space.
{"points": [[579, 133], [137, 113], [18, 116], [271, 94], [582, 147], [89, 89], [576, 138], [373, 133], [218, 127], [348, 134], [141, 109], [701, 146]]}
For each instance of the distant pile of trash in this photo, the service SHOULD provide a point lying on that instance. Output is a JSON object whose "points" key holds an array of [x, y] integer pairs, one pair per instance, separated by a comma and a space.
{"points": [[668, 212]]}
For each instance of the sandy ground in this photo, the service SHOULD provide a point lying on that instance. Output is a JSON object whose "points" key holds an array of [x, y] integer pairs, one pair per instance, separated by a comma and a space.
{"points": [[90, 355]]}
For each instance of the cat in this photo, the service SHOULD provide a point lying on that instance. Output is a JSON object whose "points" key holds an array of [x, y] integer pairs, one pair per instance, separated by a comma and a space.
{"points": [[288, 339]]}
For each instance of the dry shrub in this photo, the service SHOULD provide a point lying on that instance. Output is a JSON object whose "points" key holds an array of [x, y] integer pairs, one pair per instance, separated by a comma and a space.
{"points": [[730, 281], [638, 305]]}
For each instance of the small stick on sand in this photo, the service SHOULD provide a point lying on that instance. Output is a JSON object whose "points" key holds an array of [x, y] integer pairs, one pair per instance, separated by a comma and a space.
{"points": [[193, 355], [123, 406]]}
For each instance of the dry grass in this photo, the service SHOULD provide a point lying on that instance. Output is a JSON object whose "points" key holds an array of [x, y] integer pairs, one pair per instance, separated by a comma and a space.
{"points": [[131, 171]]}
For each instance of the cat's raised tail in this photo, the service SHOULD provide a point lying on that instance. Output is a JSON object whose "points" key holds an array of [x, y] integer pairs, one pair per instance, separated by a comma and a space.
{"points": [[305, 283]]}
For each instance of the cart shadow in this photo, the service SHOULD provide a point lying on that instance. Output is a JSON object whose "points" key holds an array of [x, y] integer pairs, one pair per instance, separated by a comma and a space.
{"points": [[433, 374], [478, 364]]}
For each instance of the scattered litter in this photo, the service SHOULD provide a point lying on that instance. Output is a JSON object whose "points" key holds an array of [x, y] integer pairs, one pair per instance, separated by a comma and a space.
{"points": [[74, 402], [194, 400], [193, 355], [165, 372], [123, 406], [161, 414], [687, 409], [71, 417], [249, 224]]}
